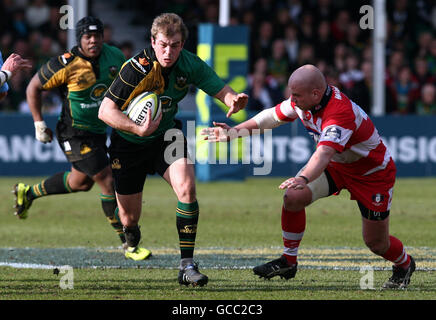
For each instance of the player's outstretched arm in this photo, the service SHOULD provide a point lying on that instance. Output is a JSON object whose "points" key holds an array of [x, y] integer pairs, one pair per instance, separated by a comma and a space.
{"points": [[232, 99], [12, 65], [33, 95], [221, 132]]}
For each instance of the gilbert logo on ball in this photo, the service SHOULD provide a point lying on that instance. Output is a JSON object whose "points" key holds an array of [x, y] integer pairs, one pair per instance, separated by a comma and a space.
{"points": [[140, 105]]}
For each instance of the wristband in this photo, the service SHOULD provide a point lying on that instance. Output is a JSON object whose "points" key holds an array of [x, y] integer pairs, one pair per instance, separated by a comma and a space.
{"points": [[8, 74], [4, 76]]}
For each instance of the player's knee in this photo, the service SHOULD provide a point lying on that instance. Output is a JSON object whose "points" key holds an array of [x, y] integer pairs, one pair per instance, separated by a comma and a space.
{"points": [[377, 246], [186, 192], [292, 202], [84, 186]]}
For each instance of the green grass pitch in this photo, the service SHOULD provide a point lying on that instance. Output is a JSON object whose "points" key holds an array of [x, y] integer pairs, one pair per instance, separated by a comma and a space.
{"points": [[239, 227]]}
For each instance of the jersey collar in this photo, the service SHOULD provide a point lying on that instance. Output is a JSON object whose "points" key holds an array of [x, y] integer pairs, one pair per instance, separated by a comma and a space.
{"points": [[324, 101], [77, 52]]}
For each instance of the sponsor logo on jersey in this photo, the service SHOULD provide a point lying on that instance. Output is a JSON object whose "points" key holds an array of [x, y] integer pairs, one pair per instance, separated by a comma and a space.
{"points": [[66, 56], [165, 102], [116, 165], [143, 62], [181, 83], [98, 91], [377, 199], [84, 149], [333, 133]]}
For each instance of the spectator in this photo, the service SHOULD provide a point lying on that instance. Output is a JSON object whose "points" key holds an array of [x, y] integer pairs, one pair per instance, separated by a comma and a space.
{"points": [[281, 22], [261, 94], [352, 73], [324, 42], [324, 10], [353, 38], [20, 26], [427, 104], [431, 57], [278, 64], [306, 55], [340, 26], [404, 89], [262, 47], [38, 14], [422, 75], [340, 55], [295, 10], [395, 63], [108, 35], [361, 92], [400, 18], [127, 48], [292, 44], [307, 33]]}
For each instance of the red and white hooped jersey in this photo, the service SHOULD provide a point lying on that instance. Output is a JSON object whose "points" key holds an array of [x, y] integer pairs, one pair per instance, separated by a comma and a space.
{"points": [[344, 126]]}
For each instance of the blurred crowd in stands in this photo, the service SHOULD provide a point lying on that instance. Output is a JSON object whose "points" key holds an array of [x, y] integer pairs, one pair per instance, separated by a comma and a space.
{"points": [[284, 34]]}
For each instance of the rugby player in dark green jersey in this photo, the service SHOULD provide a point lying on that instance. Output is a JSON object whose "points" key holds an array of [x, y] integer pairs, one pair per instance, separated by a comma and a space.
{"points": [[82, 76], [136, 151]]}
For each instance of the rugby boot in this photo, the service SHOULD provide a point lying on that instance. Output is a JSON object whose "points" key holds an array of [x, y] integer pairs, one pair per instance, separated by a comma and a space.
{"points": [[22, 203], [278, 267], [400, 277], [190, 275]]}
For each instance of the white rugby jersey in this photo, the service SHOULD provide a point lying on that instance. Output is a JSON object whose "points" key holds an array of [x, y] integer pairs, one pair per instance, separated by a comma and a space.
{"points": [[341, 124]]}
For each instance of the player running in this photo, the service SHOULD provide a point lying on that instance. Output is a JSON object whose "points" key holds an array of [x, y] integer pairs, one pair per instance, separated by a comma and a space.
{"points": [[136, 151], [350, 155], [82, 76]]}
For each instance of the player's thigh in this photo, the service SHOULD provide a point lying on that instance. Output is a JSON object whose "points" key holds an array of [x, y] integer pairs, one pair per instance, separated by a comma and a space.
{"points": [[129, 165], [321, 187]]}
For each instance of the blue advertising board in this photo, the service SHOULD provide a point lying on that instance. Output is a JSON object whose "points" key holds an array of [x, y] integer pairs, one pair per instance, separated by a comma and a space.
{"points": [[225, 49], [411, 141]]}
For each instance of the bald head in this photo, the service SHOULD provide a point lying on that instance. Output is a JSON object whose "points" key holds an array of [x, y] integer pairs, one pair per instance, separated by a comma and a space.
{"points": [[309, 77], [307, 85]]}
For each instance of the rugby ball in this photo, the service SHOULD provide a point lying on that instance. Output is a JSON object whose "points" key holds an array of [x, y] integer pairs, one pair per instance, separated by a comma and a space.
{"points": [[141, 104]]}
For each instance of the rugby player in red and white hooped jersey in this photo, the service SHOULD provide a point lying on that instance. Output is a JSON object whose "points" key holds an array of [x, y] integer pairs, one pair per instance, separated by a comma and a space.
{"points": [[350, 155]]}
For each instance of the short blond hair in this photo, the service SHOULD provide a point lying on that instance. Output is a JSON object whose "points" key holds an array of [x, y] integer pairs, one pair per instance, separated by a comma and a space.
{"points": [[169, 24]]}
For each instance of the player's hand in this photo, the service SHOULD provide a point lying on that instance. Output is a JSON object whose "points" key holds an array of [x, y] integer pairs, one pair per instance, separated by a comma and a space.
{"points": [[15, 63], [297, 183], [221, 132], [238, 103], [42, 132], [149, 125]]}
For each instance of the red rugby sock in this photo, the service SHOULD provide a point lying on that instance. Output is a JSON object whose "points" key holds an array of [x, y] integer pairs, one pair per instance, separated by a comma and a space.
{"points": [[397, 254], [293, 226]]}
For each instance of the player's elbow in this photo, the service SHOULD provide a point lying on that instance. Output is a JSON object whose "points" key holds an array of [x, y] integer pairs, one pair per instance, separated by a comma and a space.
{"points": [[103, 110], [33, 89]]}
